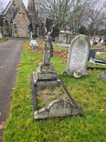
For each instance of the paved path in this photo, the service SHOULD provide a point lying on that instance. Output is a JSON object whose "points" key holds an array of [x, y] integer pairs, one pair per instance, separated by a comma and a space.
{"points": [[10, 54]]}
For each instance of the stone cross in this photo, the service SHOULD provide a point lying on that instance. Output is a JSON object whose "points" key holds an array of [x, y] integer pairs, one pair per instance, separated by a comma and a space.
{"points": [[31, 34]]}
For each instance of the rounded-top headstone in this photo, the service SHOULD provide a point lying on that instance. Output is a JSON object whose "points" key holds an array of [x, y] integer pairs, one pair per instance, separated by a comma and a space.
{"points": [[78, 55]]}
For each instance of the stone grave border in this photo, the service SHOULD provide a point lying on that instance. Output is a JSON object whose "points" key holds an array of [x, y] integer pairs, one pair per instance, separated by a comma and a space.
{"points": [[74, 108]]}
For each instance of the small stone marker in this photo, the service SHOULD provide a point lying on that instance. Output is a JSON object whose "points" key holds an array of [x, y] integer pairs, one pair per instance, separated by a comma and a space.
{"points": [[78, 55], [31, 35], [103, 76], [34, 45]]}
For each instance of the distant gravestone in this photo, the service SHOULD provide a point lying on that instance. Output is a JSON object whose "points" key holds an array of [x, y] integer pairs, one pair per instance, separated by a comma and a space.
{"points": [[102, 40], [78, 55], [97, 39], [1, 35], [99, 44], [91, 42], [31, 35], [91, 54]]}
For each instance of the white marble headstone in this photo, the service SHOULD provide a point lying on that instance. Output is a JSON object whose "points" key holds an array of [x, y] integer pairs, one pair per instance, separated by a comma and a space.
{"points": [[78, 55]]}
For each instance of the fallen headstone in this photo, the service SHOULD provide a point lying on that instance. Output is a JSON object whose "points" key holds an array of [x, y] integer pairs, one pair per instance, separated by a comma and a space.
{"points": [[97, 61]]}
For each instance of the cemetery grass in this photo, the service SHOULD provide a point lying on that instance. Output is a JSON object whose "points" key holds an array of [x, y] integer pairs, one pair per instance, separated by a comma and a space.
{"points": [[3, 39], [89, 92]]}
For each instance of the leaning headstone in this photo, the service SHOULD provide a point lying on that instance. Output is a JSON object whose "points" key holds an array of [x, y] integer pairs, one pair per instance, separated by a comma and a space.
{"points": [[34, 45], [78, 55], [103, 76], [1, 35]]}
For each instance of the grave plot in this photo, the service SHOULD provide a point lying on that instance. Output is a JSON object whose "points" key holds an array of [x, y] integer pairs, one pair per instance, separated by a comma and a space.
{"points": [[46, 76]]}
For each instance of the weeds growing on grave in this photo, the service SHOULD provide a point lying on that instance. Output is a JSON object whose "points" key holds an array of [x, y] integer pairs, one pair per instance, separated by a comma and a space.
{"points": [[89, 92]]}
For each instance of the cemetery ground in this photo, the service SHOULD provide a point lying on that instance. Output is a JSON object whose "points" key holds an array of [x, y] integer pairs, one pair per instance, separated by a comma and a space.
{"points": [[89, 92]]}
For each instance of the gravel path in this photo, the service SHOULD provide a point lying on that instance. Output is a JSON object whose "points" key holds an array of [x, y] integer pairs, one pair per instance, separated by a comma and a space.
{"points": [[10, 54]]}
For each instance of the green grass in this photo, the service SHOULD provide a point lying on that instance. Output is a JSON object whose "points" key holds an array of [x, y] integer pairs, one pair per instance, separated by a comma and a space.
{"points": [[89, 92], [60, 48], [3, 39]]}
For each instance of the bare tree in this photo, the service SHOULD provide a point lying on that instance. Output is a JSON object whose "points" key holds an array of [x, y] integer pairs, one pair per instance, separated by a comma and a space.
{"points": [[1, 6], [95, 16], [61, 11]]}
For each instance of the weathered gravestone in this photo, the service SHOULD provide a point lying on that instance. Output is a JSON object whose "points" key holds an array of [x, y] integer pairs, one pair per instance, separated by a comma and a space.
{"points": [[103, 76], [78, 55]]}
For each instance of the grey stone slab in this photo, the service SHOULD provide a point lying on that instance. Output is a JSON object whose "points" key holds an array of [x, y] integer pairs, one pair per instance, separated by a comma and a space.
{"points": [[78, 55], [98, 61], [46, 76], [57, 108]]}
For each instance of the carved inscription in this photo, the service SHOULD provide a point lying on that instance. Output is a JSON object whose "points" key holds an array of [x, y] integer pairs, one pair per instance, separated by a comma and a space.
{"points": [[79, 52], [78, 55]]}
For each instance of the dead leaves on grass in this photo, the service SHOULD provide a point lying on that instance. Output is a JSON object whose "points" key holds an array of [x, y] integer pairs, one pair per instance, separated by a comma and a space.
{"points": [[2, 126]]}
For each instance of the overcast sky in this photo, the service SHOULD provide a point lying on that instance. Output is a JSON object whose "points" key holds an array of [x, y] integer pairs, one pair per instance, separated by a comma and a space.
{"points": [[7, 1]]}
